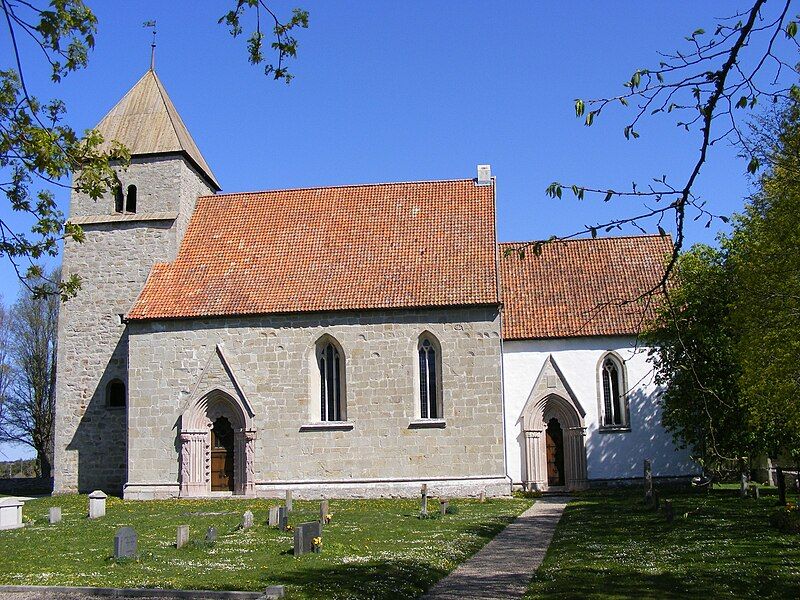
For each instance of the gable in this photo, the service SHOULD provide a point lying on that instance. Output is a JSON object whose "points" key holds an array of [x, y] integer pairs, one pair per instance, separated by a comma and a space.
{"points": [[219, 374], [549, 382]]}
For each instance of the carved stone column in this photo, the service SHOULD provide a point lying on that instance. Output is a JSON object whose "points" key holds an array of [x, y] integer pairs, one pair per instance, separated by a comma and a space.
{"points": [[576, 455], [244, 462], [194, 459], [534, 475]]}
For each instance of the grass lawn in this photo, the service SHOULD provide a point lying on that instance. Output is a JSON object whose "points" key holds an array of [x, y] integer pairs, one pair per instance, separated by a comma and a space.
{"points": [[609, 545], [372, 549]]}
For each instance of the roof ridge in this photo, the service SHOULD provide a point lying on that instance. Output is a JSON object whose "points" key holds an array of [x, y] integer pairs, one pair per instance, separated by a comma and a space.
{"points": [[590, 239], [340, 186]]}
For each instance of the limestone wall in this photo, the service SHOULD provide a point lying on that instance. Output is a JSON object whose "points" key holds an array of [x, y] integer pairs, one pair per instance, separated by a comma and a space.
{"points": [[173, 363], [113, 262]]}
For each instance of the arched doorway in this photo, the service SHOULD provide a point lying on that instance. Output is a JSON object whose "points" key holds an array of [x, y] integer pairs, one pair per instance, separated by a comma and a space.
{"points": [[222, 451], [554, 441], [217, 446]]}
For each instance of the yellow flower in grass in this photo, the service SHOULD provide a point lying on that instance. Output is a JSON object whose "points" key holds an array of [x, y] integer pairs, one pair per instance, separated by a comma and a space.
{"points": [[317, 541]]}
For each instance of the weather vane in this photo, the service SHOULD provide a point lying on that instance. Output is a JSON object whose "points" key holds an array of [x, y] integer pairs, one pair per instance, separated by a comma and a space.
{"points": [[152, 24]]}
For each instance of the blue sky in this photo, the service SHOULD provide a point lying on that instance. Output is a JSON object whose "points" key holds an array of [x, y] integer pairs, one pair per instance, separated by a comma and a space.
{"points": [[400, 91]]}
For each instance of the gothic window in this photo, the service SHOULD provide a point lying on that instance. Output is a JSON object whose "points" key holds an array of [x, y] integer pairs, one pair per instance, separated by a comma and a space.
{"points": [[614, 406], [115, 394], [331, 378], [119, 200], [429, 361], [130, 202]]}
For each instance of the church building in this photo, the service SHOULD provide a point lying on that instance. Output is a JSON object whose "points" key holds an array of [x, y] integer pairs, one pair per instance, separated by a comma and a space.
{"points": [[347, 341]]}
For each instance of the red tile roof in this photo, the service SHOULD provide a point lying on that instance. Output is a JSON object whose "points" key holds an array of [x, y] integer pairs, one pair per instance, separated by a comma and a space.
{"points": [[574, 288], [394, 245]]}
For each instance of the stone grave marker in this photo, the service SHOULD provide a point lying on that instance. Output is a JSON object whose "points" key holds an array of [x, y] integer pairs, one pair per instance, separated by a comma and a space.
{"points": [[11, 513], [288, 500], [182, 537], [669, 511], [323, 511], [745, 478], [283, 518], [443, 506], [304, 535], [648, 482], [273, 516], [424, 509], [656, 500], [125, 543], [756, 493], [211, 535], [247, 520], [54, 515], [482, 496], [97, 504]]}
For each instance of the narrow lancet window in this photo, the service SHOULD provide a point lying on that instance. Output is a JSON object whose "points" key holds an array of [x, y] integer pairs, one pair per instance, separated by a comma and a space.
{"points": [[330, 376], [613, 396], [428, 380], [130, 202]]}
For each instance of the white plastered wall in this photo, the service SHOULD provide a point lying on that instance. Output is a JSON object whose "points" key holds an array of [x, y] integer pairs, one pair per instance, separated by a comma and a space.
{"points": [[609, 455]]}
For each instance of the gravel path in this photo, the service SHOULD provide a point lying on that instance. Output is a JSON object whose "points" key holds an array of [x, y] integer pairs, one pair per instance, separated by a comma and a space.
{"points": [[502, 569]]}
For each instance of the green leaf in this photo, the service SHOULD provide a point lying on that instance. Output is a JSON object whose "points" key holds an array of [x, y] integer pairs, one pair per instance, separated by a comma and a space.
{"points": [[579, 107], [742, 102], [791, 29], [752, 167], [661, 231]]}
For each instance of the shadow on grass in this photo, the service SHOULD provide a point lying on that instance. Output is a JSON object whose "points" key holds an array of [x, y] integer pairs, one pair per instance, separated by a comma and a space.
{"points": [[610, 545], [374, 580]]}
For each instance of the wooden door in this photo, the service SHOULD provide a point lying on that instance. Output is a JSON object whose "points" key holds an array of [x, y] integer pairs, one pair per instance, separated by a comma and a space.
{"points": [[555, 453], [222, 456]]}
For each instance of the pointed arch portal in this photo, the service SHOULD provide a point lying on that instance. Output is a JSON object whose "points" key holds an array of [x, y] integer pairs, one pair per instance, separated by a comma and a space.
{"points": [[554, 432], [206, 418]]}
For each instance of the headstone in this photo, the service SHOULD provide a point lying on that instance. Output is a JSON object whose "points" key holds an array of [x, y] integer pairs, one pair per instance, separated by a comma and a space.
{"points": [[424, 509], [125, 543], [211, 535], [781, 481], [273, 516], [669, 511], [482, 496], [304, 535], [182, 537], [54, 515], [656, 500], [97, 504], [443, 507], [288, 500], [756, 492], [283, 518], [11, 513], [247, 520], [648, 482], [745, 478], [323, 511]]}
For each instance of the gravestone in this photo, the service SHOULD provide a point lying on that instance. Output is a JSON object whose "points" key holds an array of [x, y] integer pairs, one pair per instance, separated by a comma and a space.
{"points": [[97, 504], [211, 535], [443, 507], [273, 516], [745, 478], [424, 509], [304, 535], [482, 496], [756, 492], [288, 500], [323, 511], [54, 515], [648, 482], [125, 543], [11, 513], [669, 511], [182, 538], [656, 500], [283, 518], [247, 520]]}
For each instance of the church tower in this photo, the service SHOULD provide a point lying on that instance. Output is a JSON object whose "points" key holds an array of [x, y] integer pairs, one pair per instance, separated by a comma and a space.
{"points": [[125, 234]]}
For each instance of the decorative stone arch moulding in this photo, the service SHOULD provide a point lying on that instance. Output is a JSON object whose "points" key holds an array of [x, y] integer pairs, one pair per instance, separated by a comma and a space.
{"points": [[552, 397], [601, 410], [198, 418]]}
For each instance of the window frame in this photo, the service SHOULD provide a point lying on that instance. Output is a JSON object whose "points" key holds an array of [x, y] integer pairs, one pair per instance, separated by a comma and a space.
{"points": [[131, 198], [109, 385], [622, 404], [434, 348], [329, 365]]}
